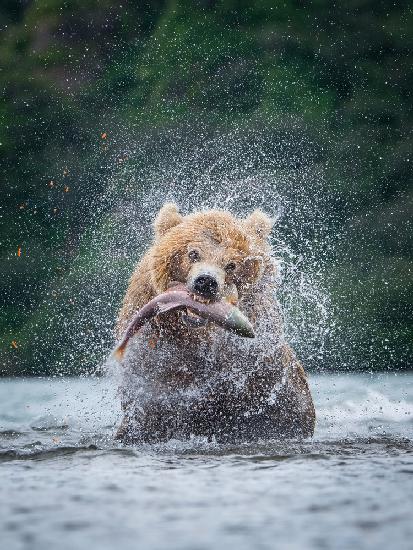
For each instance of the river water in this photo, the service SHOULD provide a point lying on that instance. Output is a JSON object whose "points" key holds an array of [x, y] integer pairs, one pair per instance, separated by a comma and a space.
{"points": [[65, 484]]}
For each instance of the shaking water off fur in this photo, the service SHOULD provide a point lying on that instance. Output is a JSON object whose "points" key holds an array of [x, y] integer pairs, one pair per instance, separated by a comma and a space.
{"points": [[183, 375]]}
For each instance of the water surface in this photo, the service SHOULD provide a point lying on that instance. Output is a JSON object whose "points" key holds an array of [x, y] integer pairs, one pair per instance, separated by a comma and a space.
{"points": [[66, 484]]}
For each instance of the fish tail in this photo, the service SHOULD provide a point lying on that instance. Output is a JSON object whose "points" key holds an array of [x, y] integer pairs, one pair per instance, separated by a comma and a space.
{"points": [[119, 352]]}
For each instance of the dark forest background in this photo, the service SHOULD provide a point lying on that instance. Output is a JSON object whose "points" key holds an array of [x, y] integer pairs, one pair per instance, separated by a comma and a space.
{"points": [[92, 91]]}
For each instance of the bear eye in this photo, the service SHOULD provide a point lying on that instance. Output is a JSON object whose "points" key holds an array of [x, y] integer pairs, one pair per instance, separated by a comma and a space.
{"points": [[194, 255], [230, 267]]}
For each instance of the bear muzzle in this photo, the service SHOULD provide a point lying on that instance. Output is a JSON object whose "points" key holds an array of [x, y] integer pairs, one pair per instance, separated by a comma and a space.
{"points": [[206, 282], [206, 286]]}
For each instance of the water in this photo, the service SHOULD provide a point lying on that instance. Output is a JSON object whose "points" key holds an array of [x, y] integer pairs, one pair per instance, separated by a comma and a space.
{"points": [[66, 484]]}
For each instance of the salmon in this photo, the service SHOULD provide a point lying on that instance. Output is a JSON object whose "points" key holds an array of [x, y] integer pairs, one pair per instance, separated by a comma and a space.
{"points": [[178, 297]]}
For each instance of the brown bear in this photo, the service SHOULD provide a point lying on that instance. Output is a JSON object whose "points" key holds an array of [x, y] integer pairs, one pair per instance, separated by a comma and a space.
{"points": [[185, 376]]}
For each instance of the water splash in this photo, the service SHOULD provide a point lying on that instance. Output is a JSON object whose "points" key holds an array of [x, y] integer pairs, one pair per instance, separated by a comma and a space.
{"points": [[238, 171]]}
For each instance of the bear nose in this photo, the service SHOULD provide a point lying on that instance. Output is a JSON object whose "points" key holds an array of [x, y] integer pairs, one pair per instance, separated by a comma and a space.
{"points": [[206, 286]]}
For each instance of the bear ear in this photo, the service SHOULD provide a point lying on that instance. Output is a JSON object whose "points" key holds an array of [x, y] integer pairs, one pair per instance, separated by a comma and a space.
{"points": [[259, 223], [168, 216]]}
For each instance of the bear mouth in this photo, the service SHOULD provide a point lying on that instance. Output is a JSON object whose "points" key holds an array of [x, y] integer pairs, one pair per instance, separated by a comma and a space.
{"points": [[192, 319], [188, 316]]}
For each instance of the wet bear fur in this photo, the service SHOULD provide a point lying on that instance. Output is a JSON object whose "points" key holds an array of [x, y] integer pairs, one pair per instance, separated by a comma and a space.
{"points": [[180, 381]]}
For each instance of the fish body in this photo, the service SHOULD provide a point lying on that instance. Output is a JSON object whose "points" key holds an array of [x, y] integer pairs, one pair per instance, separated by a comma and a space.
{"points": [[222, 313]]}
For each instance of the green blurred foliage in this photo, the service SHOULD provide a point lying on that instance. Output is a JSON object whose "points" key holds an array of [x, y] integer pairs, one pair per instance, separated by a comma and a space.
{"points": [[342, 73]]}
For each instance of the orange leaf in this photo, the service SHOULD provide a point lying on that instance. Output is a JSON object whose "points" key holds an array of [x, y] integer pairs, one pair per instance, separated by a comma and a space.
{"points": [[19, 252]]}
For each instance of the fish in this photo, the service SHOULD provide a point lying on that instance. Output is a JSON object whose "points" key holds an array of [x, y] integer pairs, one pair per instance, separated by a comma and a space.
{"points": [[178, 297]]}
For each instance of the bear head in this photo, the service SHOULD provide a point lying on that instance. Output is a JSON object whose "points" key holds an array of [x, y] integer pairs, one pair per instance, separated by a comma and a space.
{"points": [[213, 253]]}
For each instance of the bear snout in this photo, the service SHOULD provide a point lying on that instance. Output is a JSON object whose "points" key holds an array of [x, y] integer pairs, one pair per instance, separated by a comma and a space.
{"points": [[206, 286], [206, 281]]}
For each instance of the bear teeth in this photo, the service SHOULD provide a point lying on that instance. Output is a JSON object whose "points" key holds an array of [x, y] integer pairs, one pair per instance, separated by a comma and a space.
{"points": [[192, 320], [200, 299]]}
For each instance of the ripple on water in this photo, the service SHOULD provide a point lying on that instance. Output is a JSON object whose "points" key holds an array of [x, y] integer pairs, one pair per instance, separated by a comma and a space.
{"points": [[276, 451]]}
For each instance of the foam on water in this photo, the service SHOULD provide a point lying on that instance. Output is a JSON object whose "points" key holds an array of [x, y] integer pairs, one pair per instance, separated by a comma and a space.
{"points": [[374, 406]]}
